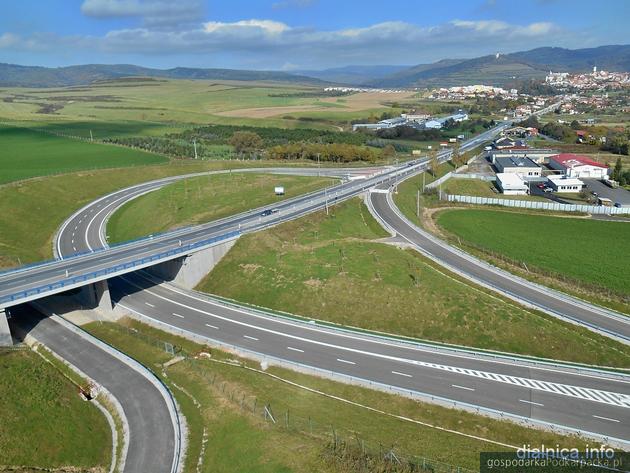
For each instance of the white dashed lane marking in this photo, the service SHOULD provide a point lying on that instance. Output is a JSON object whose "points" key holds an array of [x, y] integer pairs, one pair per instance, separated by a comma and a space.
{"points": [[402, 374], [462, 387], [295, 349], [251, 338], [606, 418], [212, 326], [532, 403], [340, 360], [149, 304], [177, 315]]}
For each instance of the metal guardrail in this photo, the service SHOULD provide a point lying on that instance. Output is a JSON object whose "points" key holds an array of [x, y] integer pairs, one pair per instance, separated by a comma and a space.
{"points": [[528, 204], [113, 269]]}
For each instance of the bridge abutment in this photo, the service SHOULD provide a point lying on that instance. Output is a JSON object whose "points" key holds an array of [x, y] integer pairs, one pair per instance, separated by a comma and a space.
{"points": [[96, 296], [187, 271], [5, 333]]}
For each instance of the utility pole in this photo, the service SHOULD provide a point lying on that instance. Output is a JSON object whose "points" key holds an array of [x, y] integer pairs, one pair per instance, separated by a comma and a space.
{"points": [[195, 146], [418, 204], [326, 199], [91, 137], [318, 166]]}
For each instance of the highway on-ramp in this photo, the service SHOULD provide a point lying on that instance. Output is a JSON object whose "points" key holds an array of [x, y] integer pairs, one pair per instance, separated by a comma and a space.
{"points": [[153, 434], [543, 298]]}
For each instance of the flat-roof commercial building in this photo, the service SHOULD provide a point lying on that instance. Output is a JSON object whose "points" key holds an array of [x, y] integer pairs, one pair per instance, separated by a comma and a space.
{"points": [[565, 184], [524, 167], [511, 184], [573, 165], [538, 155]]}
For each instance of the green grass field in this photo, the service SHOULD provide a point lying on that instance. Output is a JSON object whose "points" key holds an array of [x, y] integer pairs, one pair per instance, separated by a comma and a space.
{"points": [[27, 153], [163, 103], [202, 199], [239, 440], [43, 421], [593, 252], [330, 268]]}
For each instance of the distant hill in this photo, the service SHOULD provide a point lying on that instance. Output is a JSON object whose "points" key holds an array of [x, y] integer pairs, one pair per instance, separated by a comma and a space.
{"points": [[353, 75], [12, 75], [506, 68], [500, 70]]}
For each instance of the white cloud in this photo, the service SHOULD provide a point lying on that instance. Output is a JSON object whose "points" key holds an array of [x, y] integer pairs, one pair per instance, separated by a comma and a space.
{"points": [[494, 27], [152, 12], [264, 26]]}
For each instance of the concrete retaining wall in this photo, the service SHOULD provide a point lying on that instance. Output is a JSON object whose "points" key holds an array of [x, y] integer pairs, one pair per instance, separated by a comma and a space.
{"points": [[189, 270], [5, 334]]}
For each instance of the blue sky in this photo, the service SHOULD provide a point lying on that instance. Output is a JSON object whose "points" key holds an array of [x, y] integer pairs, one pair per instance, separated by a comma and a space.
{"points": [[296, 34]]}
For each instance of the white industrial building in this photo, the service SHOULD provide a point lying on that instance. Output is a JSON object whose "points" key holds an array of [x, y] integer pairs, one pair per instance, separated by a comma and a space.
{"points": [[565, 184], [511, 184], [576, 166], [524, 167]]}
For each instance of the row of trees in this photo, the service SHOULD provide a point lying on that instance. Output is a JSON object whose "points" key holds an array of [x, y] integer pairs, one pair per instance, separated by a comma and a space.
{"points": [[221, 134], [618, 174], [337, 152]]}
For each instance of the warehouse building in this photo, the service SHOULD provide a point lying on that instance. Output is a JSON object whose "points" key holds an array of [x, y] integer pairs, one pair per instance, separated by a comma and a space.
{"points": [[524, 167], [573, 165], [565, 184], [511, 184]]}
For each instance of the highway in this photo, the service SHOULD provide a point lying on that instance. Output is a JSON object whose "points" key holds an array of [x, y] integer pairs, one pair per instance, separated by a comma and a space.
{"points": [[23, 285], [587, 400]]}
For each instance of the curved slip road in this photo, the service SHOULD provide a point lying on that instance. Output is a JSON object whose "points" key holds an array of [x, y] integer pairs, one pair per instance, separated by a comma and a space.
{"points": [[585, 400], [539, 297], [153, 434]]}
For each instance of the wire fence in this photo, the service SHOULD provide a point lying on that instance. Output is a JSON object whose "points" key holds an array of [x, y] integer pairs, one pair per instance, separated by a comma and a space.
{"points": [[343, 447]]}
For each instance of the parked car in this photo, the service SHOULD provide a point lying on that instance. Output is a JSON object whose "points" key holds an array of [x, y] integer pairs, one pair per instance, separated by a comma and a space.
{"points": [[594, 193], [617, 204], [548, 189]]}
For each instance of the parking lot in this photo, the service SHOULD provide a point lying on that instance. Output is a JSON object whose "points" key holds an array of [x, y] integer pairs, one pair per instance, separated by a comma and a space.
{"points": [[616, 195]]}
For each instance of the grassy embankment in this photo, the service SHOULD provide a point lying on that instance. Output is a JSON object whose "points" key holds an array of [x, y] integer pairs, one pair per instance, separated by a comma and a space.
{"points": [[202, 199], [576, 255], [231, 400], [44, 424], [331, 268]]}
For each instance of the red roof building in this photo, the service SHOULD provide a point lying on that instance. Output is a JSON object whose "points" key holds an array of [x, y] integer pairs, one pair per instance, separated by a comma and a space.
{"points": [[577, 166]]}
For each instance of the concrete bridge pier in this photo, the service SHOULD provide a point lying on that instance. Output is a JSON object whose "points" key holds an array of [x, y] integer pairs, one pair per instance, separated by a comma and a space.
{"points": [[187, 271], [96, 296], [5, 334]]}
